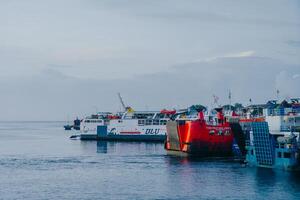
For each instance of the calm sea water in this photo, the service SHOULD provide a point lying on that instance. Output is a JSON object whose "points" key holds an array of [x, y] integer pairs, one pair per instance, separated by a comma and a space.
{"points": [[39, 161]]}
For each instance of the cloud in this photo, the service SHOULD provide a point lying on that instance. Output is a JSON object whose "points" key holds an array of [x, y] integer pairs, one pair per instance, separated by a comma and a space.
{"points": [[240, 54], [53, 95], [294, 43], [296, 76], [233, 55]]}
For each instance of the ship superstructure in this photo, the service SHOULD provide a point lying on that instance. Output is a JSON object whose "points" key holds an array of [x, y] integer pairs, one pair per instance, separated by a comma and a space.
{"points": [[90, 123]]}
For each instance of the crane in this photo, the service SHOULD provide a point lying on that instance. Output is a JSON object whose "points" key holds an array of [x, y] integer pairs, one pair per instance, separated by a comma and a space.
{"points": [[122, 102]]}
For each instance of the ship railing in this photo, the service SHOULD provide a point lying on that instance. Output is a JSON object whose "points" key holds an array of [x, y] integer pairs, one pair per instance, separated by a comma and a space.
{"points": [[285, 128], [147, 122]]}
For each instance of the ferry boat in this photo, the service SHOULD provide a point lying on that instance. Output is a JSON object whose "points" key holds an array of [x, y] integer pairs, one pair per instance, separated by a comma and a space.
{"points": [[128, 125], [268, 150], [136, 126], [194, 134], [274, 142]]}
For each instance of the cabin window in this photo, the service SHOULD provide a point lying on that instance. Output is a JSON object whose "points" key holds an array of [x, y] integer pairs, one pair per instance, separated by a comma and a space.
{"points": [[211, 132], [279, 155], [141, 122], [286, 155], [148, 122], [227, 132], [155, 122], [252, 152], [220, 132], [163, 122]]}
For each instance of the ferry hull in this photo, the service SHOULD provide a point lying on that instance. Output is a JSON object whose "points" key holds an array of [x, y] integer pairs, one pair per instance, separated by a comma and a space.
{"points": [[195, 138], [144, 138], [208, 149], [140, 138], [130, 133]]}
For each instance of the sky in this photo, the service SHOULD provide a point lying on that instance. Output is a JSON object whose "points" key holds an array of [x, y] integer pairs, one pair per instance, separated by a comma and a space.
{"points": [[65, 58]]}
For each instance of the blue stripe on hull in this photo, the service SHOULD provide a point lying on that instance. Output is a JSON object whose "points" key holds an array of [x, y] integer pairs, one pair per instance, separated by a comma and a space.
{"points": [[152, 138], [155, 138]]}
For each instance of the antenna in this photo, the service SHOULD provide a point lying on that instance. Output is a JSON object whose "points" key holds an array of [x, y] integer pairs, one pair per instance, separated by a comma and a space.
{"points": [[122, 102], [229, 97], [216, 99], [277, 93]]}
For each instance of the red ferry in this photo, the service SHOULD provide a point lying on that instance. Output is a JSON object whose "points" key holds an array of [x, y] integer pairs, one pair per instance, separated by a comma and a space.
{"points": [[200, 137]]}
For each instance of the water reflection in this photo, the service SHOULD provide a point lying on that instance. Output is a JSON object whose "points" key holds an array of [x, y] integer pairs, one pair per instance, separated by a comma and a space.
{"points": [[194, 176], [113, 147], [101, 147], [265, 176]]}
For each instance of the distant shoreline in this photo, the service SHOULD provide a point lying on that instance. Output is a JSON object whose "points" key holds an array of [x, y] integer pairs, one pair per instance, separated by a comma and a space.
{"points": [[32, 121]]}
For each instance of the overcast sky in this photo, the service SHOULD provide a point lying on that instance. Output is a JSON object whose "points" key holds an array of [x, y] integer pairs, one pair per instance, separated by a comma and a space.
{"points": [[62, 58]]}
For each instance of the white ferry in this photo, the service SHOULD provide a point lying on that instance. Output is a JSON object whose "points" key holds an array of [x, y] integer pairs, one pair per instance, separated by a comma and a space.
{"points": [[133, 126]]}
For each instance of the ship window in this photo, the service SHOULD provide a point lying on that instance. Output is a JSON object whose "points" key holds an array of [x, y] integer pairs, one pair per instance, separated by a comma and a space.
{"points": [[155, 122], [163, 122], [252, 152], [141, 122], [286, 155], [148, 122], [227, 132], [211, 132], [279, 155], [220, 132]]}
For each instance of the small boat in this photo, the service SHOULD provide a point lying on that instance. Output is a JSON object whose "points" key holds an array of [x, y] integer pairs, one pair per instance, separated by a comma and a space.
{"points": [[68, 127], [75, 126]]}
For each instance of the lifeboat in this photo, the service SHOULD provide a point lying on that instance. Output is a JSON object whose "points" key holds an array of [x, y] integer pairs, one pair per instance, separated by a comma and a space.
{"points": [[168, 112]]}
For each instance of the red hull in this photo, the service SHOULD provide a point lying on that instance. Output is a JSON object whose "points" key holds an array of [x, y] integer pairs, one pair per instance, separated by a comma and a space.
{"points": [[198, 138]]}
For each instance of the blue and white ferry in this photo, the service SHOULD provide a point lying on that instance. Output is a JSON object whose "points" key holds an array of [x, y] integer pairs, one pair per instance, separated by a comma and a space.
{"points": [[131, 126], [275, 142]]}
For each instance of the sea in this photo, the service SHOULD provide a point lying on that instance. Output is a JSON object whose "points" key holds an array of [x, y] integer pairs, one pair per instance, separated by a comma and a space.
{"points": [[39, 161]]}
